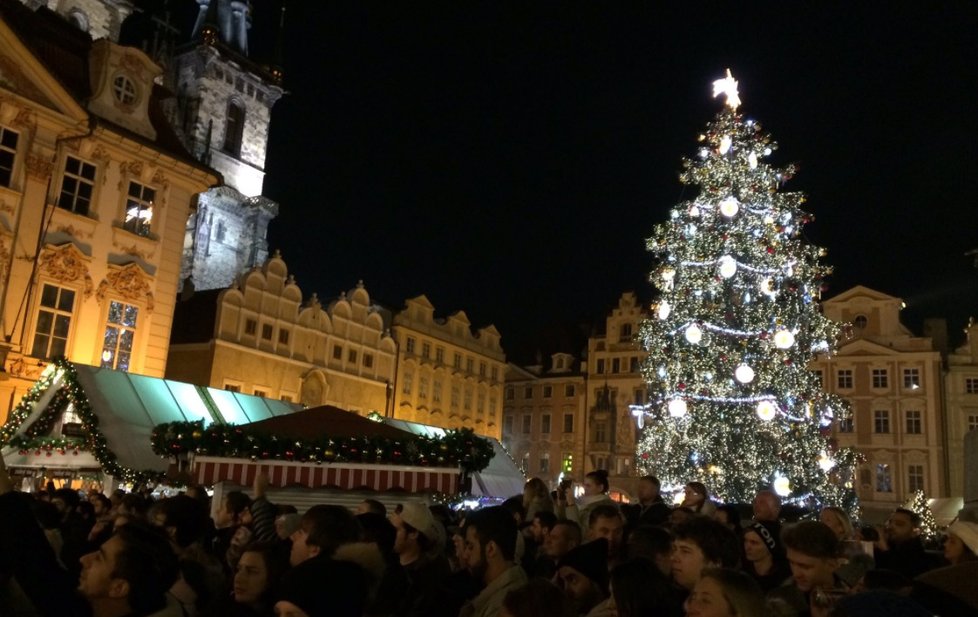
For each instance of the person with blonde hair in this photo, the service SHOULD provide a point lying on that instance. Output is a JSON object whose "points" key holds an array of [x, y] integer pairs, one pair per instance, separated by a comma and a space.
{"points": [[839, 522], [724, 592], [536, 498]]}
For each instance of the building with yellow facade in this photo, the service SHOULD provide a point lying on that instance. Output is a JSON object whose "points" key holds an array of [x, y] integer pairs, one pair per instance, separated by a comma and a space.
{"points": [[95, 193], [614, 381], [961, 399], [262, 337], [447, 375], [543, 418], [892, 380]]}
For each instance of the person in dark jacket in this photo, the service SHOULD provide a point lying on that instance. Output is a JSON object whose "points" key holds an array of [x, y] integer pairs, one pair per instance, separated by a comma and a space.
{"points": [[900, 548], [650, 509]]}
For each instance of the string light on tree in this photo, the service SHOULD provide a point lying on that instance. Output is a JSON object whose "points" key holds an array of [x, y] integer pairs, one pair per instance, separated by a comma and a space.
{"points": [[727, 361]]}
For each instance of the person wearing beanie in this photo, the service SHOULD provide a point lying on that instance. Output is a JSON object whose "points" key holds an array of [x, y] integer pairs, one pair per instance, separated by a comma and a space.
{"points": [[583, 575], [765, 559]]}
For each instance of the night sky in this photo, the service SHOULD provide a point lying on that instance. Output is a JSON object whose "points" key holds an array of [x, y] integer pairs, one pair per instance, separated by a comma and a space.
{"points": [[510, 159]]}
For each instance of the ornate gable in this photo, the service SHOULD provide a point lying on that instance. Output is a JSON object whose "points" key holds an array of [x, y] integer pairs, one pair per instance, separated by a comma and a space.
{"points": [[67, 264], [130, 282]]}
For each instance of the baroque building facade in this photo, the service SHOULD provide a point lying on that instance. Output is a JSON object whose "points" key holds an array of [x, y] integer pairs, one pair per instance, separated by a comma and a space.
{"points": [[893, 382], [543, 418], [260, 337], [615, 381], [961, 398], [447, 375], [95, 192]]}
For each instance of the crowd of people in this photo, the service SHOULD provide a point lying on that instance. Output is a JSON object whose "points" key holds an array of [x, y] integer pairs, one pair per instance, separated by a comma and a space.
{"points": [[540, 554]]}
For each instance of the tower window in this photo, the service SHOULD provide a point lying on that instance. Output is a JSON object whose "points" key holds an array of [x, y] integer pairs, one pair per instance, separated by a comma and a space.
{"points": [[234, 129]]}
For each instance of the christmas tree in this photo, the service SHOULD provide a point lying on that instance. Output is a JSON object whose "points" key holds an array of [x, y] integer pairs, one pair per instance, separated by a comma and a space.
{"points": [[732, 402], [918, 503]]}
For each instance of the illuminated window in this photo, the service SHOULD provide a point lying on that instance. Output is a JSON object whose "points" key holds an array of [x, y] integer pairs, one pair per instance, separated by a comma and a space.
{"points": [[139, 209], [406, 383], [568, 462], [77, 186], [884, 481], [8, 152], [423, 387], [120, 331], [53, 322], [124, 91]]}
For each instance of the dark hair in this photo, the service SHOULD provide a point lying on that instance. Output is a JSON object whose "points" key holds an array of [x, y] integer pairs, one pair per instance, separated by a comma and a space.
{"points": [[605, 510], [648, 541], [812, 538], [515, 506], [575, 529], [187, 516], [716, 541], [640, 589], [379, 530], [601, 477], [46, 513], [700, 489], [375, 506], [85, 510], [651, 480], [237, 502], [538, 598], [135, 503], [148, 564], [102, 499], [494, 524], [276, 558], [740, 590], [547, 519], [329, 527], [915, 519], [733, 514]]}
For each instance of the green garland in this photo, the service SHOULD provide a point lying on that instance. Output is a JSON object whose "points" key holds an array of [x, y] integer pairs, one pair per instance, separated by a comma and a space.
{"points": [[457, 448], [72, 393]]}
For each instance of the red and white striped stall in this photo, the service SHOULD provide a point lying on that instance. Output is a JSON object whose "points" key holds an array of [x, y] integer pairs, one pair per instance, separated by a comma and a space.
{"points": [[209, 470]]}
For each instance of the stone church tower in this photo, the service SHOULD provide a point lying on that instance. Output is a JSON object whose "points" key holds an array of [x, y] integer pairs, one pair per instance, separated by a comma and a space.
{"points": [[220, 109]]}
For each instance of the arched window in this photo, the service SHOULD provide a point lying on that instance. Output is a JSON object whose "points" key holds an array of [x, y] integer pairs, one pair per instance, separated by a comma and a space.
{"points": [[234, 128]]}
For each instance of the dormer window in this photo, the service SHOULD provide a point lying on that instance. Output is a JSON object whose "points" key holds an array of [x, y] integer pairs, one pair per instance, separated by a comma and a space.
{"points": [[124, 91], [860, 322]]}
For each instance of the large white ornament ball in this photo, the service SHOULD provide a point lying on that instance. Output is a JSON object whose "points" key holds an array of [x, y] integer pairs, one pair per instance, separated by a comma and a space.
{"points": [[664, 310], [694, 334], [728, 266], [744, 374], [784, 339], [729, 207], [677, 408], [782, 486], [725, 143], [766, 410]]}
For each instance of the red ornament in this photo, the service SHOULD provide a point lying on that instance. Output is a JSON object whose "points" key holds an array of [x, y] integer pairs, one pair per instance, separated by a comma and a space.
{"points": [[681, 386], [645, 456], [75, 452], [770, 250]]}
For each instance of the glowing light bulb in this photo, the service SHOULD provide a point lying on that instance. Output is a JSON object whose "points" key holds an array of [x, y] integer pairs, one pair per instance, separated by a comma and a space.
{"points": [[664, 310], [729, 207], [677, 408], [725, 143], [766, 410], [784, 339], [694, 211], [744, 374], [694, 334], [782, 486], [752, 160], [728, 266], [668, 274], [825, 462]]}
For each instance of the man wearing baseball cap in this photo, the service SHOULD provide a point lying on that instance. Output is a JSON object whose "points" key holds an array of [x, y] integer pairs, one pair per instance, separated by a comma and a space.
{"points": [[418, 544]]}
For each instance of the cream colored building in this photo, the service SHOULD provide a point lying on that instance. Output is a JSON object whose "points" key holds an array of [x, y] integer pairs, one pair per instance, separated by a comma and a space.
{"points": [[95, 192], [543, 418], [893, 382], [961, 401], [260, 337], [614, 381], [447, 375]]}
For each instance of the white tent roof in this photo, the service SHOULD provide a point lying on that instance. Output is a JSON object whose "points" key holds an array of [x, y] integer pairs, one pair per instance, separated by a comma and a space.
{"points": [[128, 406]]}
